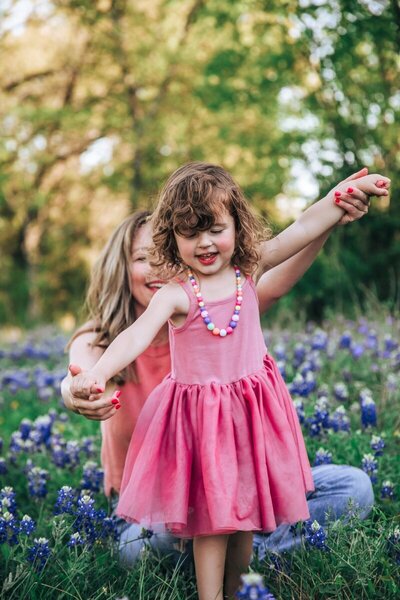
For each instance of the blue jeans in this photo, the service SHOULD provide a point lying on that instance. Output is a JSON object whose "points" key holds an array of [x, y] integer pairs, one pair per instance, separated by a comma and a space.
{"points": [[340, 491]]}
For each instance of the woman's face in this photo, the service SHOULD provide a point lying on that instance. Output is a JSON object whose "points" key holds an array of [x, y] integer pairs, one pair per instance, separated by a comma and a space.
{"points": [[144, 283]]}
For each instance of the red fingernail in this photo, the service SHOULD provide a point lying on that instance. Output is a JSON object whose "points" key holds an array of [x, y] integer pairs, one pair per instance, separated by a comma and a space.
{"points": [[99, 389], [338, 193], [337, 200], [117, 393], [350, 190], [114, 401], [117, 406]]}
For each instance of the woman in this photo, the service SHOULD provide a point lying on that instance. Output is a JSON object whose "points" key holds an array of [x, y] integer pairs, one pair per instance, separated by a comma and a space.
{"points": [[121, 288]]}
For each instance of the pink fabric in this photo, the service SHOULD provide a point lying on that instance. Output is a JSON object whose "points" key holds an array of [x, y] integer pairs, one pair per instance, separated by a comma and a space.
{"points": [[151, 367], [217, 447]]}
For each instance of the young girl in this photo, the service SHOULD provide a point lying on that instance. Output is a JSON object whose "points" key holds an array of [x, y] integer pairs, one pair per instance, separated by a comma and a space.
{"points": [[217, 451]]}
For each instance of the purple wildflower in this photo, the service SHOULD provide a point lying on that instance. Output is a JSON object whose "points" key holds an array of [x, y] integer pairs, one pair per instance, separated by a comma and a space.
{"points": [[387, 490], [3, 466], [394, 545], [377, 445], [299, 406], [339, 420], [37, 482], [39, 553], [314, 535], [370, 466], [368, 410], [341, 392], [27, 525], [345, 340], [322, 457], [75, 540], [357, 350], [7, 500], [65, 502], [9, 529], [253, 588], [92, 476]]}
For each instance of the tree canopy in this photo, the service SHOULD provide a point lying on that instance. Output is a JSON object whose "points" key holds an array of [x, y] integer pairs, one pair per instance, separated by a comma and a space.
{"points": [[102, 99]]}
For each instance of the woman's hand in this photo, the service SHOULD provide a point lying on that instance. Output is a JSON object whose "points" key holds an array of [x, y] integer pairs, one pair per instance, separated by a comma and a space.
{"points": [[100, 409], [352, 194], [355, 201]]}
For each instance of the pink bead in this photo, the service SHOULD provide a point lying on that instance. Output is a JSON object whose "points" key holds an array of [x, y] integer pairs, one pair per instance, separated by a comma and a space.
{"points": [[239, 299], [235, 317], [204, 314], [229, 330]]}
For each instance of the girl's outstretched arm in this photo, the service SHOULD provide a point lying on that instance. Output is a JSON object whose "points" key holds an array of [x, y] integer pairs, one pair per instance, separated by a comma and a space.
{"points": [[315, 221], [168, 301]]}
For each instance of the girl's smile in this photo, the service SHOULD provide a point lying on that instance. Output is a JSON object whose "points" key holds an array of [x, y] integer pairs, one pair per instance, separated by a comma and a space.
{"points": [[210, 250]]}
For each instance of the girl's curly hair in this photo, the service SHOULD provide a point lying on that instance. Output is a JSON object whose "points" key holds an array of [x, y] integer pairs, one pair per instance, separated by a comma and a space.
{"points": [[192, 200]]}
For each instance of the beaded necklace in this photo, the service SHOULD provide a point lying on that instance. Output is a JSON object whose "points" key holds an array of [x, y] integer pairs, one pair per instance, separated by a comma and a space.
{"points": [[204, 312]]}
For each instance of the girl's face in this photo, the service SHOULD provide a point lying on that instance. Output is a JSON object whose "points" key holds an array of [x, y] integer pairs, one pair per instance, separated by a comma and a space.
{"points": [[208, 251], [144, 285]]}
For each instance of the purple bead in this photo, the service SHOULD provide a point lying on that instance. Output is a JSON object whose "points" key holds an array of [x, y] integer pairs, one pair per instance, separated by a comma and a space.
{"points": [[207, 320], [232, 324], [236, 312]]}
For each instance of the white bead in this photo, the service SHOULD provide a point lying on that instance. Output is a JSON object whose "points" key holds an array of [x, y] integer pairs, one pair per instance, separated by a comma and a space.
{"points": [[222, 332]]}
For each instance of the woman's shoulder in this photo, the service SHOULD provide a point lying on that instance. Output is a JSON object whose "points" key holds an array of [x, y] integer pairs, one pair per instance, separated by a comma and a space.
{"points": [[85, 334]]}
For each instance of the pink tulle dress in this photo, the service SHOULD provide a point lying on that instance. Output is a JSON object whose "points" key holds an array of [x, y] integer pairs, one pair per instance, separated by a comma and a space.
{"points": [[217, 447]]}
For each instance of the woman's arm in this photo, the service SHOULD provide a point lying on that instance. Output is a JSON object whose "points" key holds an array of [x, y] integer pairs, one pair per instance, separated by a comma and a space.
{"points": [[278, 281], [312, 223], [84, 354]]}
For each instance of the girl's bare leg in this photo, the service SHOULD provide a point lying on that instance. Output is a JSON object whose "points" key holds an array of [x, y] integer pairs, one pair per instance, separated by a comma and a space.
{"points": [[238, 554], [209, 560]]}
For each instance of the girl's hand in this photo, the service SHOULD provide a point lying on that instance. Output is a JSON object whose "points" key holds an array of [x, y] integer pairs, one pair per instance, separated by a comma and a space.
{"points": [[87, 385], [96, 410], [355, 203]]}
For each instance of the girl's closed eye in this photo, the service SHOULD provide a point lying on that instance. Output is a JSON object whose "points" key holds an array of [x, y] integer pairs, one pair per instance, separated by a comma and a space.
{"points": [[139, 258]]}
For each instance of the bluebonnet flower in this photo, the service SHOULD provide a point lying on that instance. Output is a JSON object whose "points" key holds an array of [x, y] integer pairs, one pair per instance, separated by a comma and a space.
{"points": [[321, 411], [279, 352], [372, 340], [370, 466], [389, 343], [253, 588], [387, 490], [368, 409], [281, 364], [25, 427], [377, 445], [92, 476], [341, 392], [7, 500], [88, 447], [394, 545], [72, 450], [65, 502], [357, 350], [108, 529], [339, 421], [322, 457], [39, 553], [3, 466], [75, 540], [59, 455], [27, 525], [43, 426], [303, 386], [299, 406], [37, 482], [17, 444], [299, 353], [314, 535], [345, 340], [9, 529], [319, 340]]}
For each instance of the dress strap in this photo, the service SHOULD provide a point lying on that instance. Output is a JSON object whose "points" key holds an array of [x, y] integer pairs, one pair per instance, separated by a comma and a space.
{"points": [[187, 287]]}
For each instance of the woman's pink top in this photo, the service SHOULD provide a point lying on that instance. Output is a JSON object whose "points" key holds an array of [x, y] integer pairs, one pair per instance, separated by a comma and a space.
{"points": [[151, 366]]}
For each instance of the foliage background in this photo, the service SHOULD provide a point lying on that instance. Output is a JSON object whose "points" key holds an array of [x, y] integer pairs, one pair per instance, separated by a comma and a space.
{"points": [[102, 99]]}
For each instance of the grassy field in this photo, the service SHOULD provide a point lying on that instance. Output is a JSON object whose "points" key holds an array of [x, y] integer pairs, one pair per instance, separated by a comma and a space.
{"points": [[344, 379]]}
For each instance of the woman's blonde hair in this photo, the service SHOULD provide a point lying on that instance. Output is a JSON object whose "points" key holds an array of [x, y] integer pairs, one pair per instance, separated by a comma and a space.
{"points": [[192, 200], [110, 302]]}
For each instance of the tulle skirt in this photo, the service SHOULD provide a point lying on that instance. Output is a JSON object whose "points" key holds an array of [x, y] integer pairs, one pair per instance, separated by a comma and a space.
{"points": [[214, 459]]}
